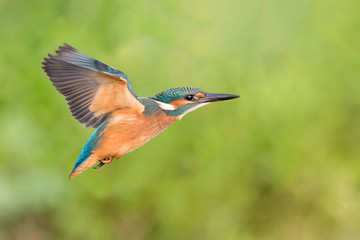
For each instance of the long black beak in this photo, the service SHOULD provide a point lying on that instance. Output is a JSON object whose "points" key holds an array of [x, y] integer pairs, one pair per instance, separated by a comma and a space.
{"points": [[214, 97]]}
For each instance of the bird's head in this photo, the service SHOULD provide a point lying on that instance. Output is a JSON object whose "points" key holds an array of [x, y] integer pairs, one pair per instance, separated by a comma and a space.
{"points": [[179, 101]]}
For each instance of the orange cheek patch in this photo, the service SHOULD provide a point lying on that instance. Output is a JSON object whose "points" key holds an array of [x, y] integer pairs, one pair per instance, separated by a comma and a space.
{"points": [[178, 103], [200, 95]]}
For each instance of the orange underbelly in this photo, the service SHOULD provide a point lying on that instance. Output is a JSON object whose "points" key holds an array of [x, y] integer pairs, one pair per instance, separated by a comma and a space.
{"points": [[126, 132]]}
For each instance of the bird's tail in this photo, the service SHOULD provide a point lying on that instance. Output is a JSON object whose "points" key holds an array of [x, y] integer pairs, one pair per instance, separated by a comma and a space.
{"points": [[85, 165]]}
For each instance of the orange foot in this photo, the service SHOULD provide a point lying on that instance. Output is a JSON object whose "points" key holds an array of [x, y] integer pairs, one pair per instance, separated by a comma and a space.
{"points": [[103, 162]]}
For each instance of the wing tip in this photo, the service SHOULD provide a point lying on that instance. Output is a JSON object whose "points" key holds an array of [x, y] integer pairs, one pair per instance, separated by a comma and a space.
{"points": [[45, 63], [50, 62], [65, 48]]}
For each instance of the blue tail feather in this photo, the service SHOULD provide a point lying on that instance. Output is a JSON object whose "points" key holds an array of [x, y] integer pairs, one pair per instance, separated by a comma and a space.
{"points": [[90, 145]]}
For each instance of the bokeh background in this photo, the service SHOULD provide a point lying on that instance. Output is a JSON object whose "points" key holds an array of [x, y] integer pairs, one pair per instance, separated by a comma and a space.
{"points": [[281, 162]]}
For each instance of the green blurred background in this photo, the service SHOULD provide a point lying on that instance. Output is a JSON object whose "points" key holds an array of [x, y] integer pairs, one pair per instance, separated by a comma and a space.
{"points": [[281, 162]]}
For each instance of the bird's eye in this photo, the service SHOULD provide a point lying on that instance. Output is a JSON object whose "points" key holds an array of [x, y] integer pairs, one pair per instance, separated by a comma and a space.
{"points": [[189, 97]]}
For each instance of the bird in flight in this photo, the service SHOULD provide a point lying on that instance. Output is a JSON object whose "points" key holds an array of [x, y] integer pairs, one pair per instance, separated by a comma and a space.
{"points": [[101, 97]]}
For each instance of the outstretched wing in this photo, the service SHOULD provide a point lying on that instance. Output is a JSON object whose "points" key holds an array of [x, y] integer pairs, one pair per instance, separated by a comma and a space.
{"points": [[91, 88]]}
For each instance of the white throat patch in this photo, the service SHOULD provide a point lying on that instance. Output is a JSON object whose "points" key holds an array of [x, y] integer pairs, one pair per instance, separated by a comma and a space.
{"points": [[192, 109], [165, 106]]}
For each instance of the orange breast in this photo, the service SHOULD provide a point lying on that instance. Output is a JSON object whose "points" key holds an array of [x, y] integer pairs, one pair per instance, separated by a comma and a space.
{"points": [[129, 129]]}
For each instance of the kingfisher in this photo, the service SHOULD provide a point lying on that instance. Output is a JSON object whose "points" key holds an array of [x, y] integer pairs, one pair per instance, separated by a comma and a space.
{"points": [[101, 97]]}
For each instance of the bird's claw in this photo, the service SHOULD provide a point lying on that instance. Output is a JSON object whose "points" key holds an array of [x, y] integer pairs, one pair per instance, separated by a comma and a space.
{"points": [[99, 165], [107, 160], [103, 162]]}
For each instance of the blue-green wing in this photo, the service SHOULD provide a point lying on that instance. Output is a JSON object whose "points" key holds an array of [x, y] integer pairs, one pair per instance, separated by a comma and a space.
{"points": [[92, 89]]}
